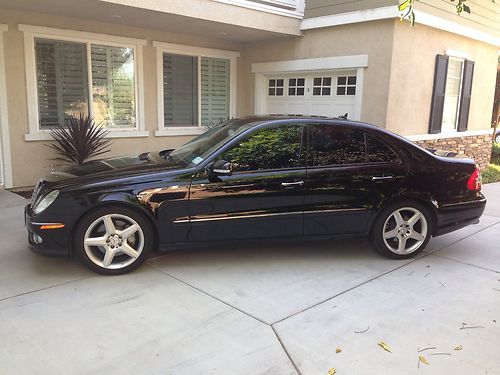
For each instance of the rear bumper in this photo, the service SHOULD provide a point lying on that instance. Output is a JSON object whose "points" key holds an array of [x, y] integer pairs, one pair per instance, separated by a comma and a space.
{"points": [[47, 242], [456, 216]]}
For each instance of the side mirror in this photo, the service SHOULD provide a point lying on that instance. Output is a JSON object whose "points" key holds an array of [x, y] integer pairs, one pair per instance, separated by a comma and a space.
{"points": [[221, 168]]}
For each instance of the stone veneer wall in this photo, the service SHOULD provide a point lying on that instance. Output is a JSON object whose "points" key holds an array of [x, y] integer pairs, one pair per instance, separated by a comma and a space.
{"points": [[477, 147]]}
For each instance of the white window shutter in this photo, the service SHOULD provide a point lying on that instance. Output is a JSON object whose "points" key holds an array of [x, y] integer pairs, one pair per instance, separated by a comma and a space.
{"points": [[113, 86], [180, 90], [61, 81], [215, 88]]}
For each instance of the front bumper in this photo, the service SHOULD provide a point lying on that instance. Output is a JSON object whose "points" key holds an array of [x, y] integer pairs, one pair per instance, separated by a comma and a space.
{"points": [[456, 216], [45, 241]]}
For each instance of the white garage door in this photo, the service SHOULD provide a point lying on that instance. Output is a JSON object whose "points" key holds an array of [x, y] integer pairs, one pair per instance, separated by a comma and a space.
{"points": [[329, 94]]}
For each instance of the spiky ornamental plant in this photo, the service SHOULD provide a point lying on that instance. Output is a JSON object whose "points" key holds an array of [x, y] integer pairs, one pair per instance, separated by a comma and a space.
{"points": [[79, 140]]}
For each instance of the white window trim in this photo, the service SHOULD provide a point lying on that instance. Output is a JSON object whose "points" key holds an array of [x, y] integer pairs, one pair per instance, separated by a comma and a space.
{"points": [[5, 158], [31, 32], [355, 62], [199, 52], [295, 12]]}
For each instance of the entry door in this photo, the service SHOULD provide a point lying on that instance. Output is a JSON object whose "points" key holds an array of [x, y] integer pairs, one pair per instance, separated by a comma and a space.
{"points": [[264, 195], [350, 174]]}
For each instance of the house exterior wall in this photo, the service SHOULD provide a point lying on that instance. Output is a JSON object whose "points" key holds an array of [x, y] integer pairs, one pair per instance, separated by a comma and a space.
{"points": [[412, 75], [31, 159], [372, 38]]}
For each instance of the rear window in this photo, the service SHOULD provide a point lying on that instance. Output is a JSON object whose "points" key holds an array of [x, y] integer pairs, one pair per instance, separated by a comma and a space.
{"points": [[337, 145]]}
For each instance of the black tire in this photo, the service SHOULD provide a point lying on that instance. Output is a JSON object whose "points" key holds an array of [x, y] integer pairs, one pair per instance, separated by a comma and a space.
{"points": [[121, 262], [385, 221]]}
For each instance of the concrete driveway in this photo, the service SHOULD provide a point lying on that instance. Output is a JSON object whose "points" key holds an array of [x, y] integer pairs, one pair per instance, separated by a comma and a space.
{"points": [[256, 310]]}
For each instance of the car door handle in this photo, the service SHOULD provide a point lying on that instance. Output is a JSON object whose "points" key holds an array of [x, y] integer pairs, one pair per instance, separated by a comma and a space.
{"points": [[382, 178], [292, 184]]}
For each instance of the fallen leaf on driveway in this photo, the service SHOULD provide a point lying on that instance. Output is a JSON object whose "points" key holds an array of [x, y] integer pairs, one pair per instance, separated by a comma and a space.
{"points": [[384, 346], [332, 371], [338, 350], [422, 359], [459, 347]]}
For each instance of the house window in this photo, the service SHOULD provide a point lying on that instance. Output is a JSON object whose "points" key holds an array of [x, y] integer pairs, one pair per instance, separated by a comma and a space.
{"points": [[196, 90], [180, 90], [322, 86], [63, 89], [452, 94], [346, 85], [296, 86], [276, 87]]}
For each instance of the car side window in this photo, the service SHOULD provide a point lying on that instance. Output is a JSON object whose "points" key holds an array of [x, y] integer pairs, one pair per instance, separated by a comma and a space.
{"points": [[336, 145], [271, 148], [378, 152]]}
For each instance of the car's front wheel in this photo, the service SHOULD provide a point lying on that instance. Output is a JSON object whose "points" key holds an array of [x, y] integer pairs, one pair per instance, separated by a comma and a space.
{"points": [[113, 240], [402, 230]]}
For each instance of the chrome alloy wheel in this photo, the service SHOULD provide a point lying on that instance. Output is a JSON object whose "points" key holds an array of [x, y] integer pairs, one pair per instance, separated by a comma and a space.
{"points": [[113, 241], [405, 230]]}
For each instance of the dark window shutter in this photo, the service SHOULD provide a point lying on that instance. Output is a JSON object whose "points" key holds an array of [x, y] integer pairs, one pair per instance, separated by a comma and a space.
{"points": [[463, 114], [440, 71]]}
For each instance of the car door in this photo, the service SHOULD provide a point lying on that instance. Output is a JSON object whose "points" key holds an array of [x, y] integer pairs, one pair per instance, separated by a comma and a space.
{"points": [[350, 173], [264, 194]]}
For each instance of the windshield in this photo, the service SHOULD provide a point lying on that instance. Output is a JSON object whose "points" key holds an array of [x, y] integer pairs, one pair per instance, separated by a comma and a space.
{"points": [[199, 148]]}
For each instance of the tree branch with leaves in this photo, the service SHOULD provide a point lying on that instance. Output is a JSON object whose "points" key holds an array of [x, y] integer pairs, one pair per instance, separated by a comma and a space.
{"points": [[406, 9]]}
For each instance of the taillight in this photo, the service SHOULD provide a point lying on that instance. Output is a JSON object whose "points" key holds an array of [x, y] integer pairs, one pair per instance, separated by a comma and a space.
{"points": [[474, 182]]}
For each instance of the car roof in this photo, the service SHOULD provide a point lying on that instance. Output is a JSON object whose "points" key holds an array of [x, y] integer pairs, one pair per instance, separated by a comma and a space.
{"points": [[252, 121]]}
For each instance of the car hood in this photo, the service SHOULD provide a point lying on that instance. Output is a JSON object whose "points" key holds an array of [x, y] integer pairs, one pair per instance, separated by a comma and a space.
{"points": [[103, 170]]}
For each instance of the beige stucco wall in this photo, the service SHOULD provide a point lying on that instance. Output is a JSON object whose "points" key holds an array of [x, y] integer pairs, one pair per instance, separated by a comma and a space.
{"points": [[412, 75], [32, 159], [371, 38]]}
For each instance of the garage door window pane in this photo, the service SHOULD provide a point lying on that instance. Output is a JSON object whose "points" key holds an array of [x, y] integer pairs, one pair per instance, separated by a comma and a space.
{"points": [[346, 85], [296, 86], [180, 90], [62, 81], [267, 149], [333, 145], [322, 86], [276, 87]]}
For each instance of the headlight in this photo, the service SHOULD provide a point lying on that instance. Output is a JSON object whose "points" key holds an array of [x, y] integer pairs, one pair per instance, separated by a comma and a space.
{"points": [[45, 202]]}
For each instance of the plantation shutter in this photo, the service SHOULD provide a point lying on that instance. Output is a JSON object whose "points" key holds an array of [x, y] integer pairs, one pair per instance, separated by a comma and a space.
{"points": [[180, 90], [62, 83], [113, 86], [438, 92], [215, 75], [463, 112]]}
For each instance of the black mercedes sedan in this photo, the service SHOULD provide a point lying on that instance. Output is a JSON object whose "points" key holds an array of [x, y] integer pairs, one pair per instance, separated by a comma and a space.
{"points": [[255, 178]]}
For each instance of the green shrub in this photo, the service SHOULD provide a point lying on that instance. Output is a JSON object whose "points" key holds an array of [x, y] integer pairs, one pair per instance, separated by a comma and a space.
{"points": [[495, 154], [491, 174]]}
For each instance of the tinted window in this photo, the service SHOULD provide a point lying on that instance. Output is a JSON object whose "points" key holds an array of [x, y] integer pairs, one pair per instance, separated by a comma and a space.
{"points": [[333, 145], [271, 148], [379, 152]]}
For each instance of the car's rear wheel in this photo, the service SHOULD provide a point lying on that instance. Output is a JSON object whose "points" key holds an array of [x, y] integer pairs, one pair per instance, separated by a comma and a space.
{"points": [[497, 138], [113, 240], [402, 230]]}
